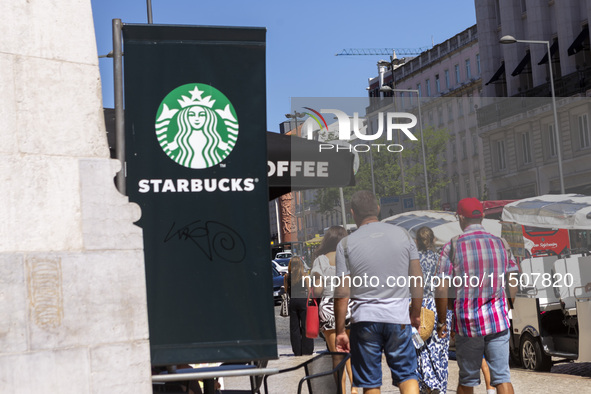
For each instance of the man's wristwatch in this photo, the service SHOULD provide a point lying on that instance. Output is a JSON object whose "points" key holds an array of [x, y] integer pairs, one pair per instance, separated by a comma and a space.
{"points": [[439, 325]]}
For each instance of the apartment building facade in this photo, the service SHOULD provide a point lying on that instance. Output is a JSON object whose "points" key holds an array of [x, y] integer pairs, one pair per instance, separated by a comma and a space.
{"points": [[447, 79], [524, 151]]}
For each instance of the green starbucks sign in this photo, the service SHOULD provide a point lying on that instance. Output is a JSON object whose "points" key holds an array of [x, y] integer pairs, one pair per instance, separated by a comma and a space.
{"points": [[196, 126]]}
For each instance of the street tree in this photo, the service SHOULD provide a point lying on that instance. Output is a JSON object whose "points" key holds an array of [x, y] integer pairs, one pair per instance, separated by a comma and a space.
{"points": [[389, 170]]}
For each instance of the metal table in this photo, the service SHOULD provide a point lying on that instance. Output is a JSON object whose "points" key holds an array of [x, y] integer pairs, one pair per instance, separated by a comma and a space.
{"points": [[208, 374]]}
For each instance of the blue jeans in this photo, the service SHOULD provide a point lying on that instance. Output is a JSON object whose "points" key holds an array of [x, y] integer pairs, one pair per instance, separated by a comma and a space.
{"points": [[369, 340], [495, 348]]}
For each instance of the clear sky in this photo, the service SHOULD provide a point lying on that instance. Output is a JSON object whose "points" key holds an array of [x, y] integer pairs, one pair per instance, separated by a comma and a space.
{"points": [[302, 38]]}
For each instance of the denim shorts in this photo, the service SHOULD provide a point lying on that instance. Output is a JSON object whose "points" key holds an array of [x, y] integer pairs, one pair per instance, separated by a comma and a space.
{"points": [[368, 340], [494, 347]]}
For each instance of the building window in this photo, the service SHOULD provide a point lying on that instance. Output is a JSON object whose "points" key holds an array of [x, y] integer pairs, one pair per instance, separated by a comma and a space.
{"points": [[428, 87], [460, 107], [523, 6], [526, 148], [457, 187], [470, 103], [447, 82], [437, 83], [474, 144], [551, 150], [440, 115], [410, 96], [501, 165], [450, 112], [478, 63], [468, 72], [453, 150], [478, 187], [457, 70], [419, 89], [467, 186], [584, 131], [464, 150]]}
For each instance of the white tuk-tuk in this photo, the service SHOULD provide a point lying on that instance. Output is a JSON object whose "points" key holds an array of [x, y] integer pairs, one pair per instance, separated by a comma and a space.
{"points": [[551, 316], [444, 224]]}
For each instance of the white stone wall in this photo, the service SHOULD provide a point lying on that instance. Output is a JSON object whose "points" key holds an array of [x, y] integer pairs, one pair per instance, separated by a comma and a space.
{"points": [[73, 316]]}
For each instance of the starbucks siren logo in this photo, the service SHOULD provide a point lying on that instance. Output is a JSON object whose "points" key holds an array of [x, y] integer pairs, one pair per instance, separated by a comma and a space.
{"points": [[196, 125]]}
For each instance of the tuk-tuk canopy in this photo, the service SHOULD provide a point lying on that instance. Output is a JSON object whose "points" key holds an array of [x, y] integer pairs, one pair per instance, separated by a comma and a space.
{"points": [[315, 241], [444, 224], [568, 211]]}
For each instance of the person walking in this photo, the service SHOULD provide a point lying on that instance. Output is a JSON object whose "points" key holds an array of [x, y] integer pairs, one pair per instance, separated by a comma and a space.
{"points": [[433, 356], [297, 288], [323, 274], [370, 262], [486, 373], [482, 263]]}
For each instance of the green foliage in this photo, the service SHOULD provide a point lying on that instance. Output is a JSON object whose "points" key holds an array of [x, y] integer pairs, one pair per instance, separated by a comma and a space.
{"points": [[327, 200], [435, 145], [388, 176]]}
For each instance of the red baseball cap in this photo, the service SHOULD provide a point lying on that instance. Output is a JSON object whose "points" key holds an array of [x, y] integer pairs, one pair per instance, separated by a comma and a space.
{"points": [[470, 208]]}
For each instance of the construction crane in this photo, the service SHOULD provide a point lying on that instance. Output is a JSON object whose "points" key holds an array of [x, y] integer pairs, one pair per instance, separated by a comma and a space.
{"points": [[381, 51]]}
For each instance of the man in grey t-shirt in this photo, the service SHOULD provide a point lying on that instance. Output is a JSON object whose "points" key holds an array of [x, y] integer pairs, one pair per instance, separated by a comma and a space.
{"points": [[376, 265]]}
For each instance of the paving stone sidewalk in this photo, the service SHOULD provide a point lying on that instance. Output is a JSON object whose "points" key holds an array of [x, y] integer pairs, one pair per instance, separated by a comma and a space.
{"points": [[576, 381], [571, 378]]}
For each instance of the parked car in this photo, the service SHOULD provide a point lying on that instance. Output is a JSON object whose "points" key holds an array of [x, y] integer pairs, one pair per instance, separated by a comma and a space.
{"points": [[284, 255], [280, 265], [278, 288], [281, 261]]}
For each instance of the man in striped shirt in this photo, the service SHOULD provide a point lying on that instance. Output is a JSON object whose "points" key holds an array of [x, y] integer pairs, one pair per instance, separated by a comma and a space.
{"points": [[477, 266]]}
